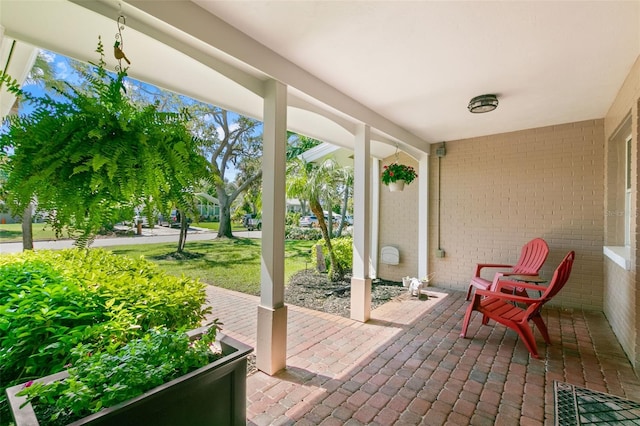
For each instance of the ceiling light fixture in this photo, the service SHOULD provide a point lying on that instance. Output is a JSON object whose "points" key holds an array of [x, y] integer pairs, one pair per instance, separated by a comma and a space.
{"points": [[483, 103]]}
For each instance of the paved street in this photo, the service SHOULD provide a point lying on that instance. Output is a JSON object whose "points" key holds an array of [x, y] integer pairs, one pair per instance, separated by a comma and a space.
{"points": [[158, 234]]}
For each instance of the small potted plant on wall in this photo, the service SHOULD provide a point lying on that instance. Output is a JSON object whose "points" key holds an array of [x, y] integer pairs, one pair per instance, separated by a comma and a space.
{"points": [[396, 175]]}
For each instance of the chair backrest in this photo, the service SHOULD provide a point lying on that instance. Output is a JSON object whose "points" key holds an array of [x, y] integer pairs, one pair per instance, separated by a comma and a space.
{"points": [[560, 276], [532, 257], [559, 279]]}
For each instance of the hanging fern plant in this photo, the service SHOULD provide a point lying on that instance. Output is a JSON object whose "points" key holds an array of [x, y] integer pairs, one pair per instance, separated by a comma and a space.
{"points": [[84, 156]]}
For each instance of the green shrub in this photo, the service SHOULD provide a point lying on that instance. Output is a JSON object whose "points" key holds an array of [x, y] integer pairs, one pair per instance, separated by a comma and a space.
{"points": [[101, 380], [50, 301], [292, 218], [305, 234], [342, 248]]}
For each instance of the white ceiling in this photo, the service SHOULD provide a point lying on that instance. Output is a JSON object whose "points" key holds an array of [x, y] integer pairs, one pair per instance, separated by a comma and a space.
{"points": [[407, 68], [419, 63]]}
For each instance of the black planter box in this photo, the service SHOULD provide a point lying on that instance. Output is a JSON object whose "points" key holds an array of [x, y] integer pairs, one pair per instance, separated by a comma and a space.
{"points": [[214, 395]]}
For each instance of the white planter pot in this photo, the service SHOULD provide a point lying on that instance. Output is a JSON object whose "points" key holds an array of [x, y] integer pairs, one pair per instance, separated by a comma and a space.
{"points": [[396, 186]]}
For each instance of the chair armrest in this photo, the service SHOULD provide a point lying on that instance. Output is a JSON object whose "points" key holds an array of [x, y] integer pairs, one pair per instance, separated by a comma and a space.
{"points": [[480, 266], [506, 296], [518, 284]]}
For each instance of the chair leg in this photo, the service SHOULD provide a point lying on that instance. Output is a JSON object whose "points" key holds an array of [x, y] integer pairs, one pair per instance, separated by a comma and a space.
{"points": [[467, 319], [537, 320], [528, 339]]}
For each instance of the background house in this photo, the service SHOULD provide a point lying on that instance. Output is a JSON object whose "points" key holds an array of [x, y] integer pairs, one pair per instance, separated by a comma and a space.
{"points": [[293, 205], [208, 207]]}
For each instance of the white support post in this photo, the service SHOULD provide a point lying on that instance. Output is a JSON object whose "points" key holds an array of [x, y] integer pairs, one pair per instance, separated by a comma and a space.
{"points": [[271, 341], [423, 216], [361, 281], [375, 217]]}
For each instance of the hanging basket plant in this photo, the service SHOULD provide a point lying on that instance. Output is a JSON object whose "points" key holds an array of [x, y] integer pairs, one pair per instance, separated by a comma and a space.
{"points": [[395, 172]]}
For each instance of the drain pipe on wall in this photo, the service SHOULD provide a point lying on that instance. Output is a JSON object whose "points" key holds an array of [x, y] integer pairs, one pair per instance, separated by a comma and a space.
{"points": [[440, 152]]}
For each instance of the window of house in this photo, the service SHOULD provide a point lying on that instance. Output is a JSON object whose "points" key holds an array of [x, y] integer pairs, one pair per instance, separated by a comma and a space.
{"points": [[618, 198], [627, 196]]}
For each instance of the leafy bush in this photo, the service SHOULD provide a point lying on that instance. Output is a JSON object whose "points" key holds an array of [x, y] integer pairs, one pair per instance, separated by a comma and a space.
{"points": [[292, 218], [101, 380], [50, 301], [342, 248], [306, 234]]}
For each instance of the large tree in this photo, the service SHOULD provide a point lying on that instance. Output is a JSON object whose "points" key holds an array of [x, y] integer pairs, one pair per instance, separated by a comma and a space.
{"points": [[185, 200], [231, 142], [88, 153], [252, 195]]}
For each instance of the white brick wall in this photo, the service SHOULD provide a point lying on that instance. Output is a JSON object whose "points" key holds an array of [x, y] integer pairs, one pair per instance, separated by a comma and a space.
{"points": [[621, 297], [500, 191], [399, 224]]}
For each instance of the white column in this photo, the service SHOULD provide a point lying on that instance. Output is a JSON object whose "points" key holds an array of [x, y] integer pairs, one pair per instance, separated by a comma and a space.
{"points": [[361, 281], [375, 217], [423, 216], [271, 341]]}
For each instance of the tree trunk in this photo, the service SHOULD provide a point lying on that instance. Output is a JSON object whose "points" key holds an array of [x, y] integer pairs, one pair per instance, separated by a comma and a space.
{"points": [[27, 228], [335, 272], [224, 231], [183, 231], [329, 220], [343, 210]]}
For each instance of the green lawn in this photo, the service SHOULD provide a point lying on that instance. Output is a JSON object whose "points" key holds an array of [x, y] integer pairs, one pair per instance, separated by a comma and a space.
{"points": [[229, 263], [12, 232], [235, 226]]}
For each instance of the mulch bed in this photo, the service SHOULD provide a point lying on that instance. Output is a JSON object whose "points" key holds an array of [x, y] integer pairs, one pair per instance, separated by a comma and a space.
{"points": [[313, 290]]}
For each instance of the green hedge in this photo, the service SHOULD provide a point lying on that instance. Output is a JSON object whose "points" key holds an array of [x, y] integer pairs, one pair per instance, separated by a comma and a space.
{"points": [[294, 232], [343, 249], [50, 301]]}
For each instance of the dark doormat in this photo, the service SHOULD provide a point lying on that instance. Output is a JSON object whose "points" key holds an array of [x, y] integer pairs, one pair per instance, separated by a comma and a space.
{"points": [[579, 406]]}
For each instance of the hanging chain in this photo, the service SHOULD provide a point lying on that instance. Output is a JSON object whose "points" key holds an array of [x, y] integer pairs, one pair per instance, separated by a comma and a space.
{"points": [[118, 46]]}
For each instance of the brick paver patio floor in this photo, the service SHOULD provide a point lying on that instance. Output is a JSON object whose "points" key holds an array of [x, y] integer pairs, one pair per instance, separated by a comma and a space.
{"points": [[408, 365]]}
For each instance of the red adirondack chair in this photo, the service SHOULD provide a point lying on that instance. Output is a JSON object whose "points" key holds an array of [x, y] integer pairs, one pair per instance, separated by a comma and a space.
{"points": [[499, 306], [532, 257]]}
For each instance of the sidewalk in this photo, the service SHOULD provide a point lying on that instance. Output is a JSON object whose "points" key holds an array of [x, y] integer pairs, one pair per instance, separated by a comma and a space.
{"points": [[158, 234], [149, 236]]}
